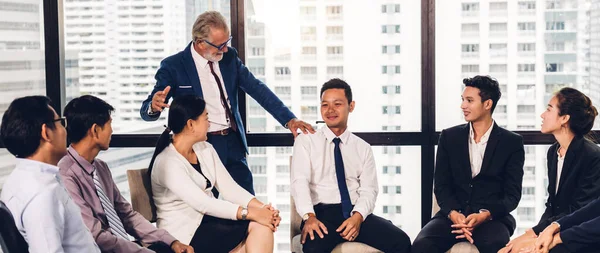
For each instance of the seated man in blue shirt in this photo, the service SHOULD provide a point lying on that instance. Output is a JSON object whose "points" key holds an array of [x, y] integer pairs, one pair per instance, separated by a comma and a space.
{"points": [[334, 183], [43, 211]]}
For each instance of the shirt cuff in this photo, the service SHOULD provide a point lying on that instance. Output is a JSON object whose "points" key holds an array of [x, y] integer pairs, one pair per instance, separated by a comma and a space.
{"points": [[286, 124], [302, 211], [150, 112], [168, 239], [362, 212]]}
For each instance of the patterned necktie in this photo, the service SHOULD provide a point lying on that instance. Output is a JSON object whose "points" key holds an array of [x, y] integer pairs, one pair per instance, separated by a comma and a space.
{"points": [[228, 111], [341, 179], [116, 226]]}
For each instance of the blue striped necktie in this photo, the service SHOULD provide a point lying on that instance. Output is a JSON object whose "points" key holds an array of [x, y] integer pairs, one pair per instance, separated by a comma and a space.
{"points": [[116, 226]]}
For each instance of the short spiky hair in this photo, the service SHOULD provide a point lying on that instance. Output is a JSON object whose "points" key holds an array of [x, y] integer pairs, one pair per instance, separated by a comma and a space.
{"points": [[488, 88], [82, 113], [337, 83]]}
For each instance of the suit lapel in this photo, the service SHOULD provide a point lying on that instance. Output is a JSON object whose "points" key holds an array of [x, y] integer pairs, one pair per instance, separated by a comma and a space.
{"points": [[552, 171], [570, 158], [191, 71], [490, 148], [464, 147]]}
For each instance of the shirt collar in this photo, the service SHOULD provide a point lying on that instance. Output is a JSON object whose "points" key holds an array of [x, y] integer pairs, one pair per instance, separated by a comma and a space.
{"points": [[87, 166], [33, 165], [485, 136], [329, 135], [198, 59], [558, 153]]}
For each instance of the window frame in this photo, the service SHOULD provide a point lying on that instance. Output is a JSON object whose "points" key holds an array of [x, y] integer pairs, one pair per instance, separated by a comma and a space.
{"points": [[426, 139]]}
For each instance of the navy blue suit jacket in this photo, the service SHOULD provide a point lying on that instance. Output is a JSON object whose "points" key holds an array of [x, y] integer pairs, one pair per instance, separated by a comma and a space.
{"points": [[179, 70]]}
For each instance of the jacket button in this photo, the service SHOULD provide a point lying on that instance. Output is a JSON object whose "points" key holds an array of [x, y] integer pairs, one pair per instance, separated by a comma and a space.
{"points": [[470, 185]]}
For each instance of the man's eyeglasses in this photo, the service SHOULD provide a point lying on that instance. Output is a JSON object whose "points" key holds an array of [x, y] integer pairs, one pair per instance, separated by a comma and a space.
{"points": [[219, 47], [63, 121]]}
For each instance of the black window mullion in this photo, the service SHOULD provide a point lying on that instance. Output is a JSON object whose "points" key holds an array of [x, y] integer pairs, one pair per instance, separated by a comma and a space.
{"points": [[54, 53]]}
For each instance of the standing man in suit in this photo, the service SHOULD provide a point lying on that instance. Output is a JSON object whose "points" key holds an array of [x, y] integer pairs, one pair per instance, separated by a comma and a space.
{"points": [[210, 69], [478, 175], [109, 217]]}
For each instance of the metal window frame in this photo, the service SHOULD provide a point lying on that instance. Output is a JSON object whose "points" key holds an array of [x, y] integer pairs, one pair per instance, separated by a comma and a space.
{"points": [[426, 139]]}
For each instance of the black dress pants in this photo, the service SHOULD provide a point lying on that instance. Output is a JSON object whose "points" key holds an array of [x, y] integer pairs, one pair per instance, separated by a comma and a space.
{"points": [[437, 237], [375, 231]]}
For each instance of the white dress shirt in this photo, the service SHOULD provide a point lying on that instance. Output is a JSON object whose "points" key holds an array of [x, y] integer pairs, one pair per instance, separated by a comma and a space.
{"points": [[181, 196], [559, 167], [313, 174], [477, 150], [216, 113], [43, 210]]}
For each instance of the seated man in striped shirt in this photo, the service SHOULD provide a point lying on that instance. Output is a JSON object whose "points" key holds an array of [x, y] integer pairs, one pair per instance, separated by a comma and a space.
{"points": [[88, 180]]}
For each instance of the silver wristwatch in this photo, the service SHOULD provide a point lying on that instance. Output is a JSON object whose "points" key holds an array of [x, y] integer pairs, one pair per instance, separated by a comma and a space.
{"points": [[244, 213]]}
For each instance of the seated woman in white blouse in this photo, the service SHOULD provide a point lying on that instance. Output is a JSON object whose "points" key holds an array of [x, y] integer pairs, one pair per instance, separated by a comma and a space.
{"points": [[183, 173]]}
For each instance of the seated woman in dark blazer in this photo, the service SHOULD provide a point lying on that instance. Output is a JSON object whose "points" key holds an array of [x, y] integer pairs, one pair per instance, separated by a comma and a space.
{"points": [[573, 162], [183, 173]]}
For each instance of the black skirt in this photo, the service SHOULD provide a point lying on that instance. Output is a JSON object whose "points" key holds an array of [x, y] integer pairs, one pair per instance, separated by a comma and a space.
{"points": [[216, 235]]}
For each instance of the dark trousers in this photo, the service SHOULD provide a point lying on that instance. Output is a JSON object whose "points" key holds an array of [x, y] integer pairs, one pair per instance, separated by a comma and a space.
{"points": [[233, 155], [159, 247], [561, 248], [216, 235], [374, 231], [437, 237]]}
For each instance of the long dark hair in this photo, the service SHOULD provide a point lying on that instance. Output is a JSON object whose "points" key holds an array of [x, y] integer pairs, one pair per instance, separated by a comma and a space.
{"points": [[580, 109], [182, 109]]}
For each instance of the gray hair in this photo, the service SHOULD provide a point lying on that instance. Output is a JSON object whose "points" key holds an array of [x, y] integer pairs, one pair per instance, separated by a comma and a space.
{"points": [[207, 21]]}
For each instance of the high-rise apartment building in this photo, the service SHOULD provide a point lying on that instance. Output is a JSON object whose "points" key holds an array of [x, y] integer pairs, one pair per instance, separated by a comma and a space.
{"points": [[595, 51], [120, 45]]}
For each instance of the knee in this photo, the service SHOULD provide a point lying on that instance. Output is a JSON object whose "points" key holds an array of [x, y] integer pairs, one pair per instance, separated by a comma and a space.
{"points": [[422, 245], [491, 245], [259, 229], [313, 247], [401, 243]]}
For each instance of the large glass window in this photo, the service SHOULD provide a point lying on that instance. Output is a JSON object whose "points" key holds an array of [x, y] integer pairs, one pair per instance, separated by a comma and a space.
{"points": [[531, 58], [116, 50], [22, 60], [322, 40]]}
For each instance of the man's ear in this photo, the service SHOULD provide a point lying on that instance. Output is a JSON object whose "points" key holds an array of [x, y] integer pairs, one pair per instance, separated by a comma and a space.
{"points": [[488, 104], [352, 104], [94, 131], [44, 133]]}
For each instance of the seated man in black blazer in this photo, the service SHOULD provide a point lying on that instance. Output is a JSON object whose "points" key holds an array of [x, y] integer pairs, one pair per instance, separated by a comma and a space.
{"points": [[478, 175]]}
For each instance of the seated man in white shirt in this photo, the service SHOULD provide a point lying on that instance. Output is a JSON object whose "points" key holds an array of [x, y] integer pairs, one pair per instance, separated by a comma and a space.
{"points": [[334, 183], [43, 211]]}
